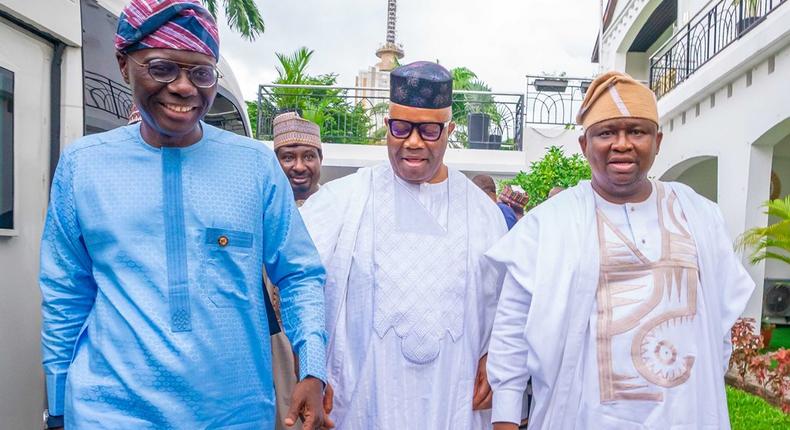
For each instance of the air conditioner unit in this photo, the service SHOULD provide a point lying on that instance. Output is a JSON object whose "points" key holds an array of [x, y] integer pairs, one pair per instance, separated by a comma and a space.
{"points": [[776, 300]]}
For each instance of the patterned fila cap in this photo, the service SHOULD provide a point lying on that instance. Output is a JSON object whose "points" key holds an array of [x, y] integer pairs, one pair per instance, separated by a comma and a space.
{"points": [[175, 24]]}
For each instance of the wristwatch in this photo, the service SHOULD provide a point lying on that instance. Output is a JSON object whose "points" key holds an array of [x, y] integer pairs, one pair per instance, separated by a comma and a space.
{"points": [[52, 421]]}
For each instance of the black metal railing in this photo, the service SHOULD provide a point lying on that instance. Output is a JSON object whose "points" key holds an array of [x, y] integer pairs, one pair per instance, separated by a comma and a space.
{"points": [[355, 115], [554, 100], [707, 34], [107, 95]]}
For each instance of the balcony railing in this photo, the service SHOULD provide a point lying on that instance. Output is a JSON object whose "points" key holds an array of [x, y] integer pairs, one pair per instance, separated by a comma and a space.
{"points": [[707, 34], [107, 95], [355, 115], [554, 100]]}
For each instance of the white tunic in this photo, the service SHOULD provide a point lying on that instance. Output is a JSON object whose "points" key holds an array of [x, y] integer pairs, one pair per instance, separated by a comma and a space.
{"points": [[409, 313], [641, 361], [547, 323]]}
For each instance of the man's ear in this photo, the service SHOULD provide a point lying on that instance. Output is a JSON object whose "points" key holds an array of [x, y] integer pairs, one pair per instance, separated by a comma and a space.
{"points": [[450, 128], [123, 64], [583, 143], [659, 139]]}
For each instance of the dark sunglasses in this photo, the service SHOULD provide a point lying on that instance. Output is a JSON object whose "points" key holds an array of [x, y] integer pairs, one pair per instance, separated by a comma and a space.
{"points": [[428, 131], [166, 71]]}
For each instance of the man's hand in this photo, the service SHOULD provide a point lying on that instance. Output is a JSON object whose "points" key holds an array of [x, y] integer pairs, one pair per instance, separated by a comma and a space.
{"points": [[306, 402], [329, 401], [505, 426], [481, 399]]}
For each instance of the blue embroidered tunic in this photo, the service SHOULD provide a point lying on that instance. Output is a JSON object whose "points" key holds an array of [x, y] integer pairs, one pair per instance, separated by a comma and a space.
{"points": [[151, 276]]}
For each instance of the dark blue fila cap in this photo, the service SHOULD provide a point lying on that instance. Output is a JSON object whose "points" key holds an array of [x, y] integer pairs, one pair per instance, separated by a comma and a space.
{"points": [[421, 84]]}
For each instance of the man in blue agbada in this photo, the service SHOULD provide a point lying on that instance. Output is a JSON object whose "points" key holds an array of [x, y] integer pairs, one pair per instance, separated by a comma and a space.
{"points": [[152, 255]]}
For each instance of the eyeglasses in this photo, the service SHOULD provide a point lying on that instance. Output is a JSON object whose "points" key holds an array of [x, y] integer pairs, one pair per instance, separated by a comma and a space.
{"points": [[166, 71], [428, 131]]}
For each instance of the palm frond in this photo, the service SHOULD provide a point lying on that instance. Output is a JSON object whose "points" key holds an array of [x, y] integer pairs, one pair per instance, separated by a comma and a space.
{"points": [[772, 241], [243, 16], [779, 208], [211, 5]]}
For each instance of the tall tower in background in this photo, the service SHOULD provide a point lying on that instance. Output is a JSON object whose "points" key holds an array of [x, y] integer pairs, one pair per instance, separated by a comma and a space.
{"points": [[378, 76], [390, 52]]}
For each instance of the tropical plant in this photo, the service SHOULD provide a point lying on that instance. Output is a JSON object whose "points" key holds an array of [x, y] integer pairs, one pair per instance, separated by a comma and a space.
{"points": [[252, 114], [746, 345], [341, 121], [773, 241], [465, 79], [771, 370], [293, 67], [243, 16], [750, 6], [555, 169]]}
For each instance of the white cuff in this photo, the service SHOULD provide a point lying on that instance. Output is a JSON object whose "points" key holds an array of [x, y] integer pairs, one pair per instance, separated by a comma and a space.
{"points": [[507, 406]]}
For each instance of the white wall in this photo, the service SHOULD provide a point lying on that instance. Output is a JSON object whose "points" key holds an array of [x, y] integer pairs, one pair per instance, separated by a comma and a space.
{"points": [[781, 165], [702, 177], [740, 128], [628, 19], [60, 18], [21, 376], [22, 395]]}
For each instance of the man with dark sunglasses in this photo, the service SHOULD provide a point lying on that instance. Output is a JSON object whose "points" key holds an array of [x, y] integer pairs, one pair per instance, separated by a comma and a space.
{"points": [[410, 300], [151, 259]]}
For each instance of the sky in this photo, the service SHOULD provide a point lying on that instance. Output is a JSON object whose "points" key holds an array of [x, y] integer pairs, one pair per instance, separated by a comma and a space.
{"points": [[500, 40]]}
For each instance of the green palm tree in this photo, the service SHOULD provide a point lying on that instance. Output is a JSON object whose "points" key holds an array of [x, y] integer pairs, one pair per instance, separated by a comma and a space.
{"points": [[773, 241], [293, 68], [243, 16], [293, 71]]}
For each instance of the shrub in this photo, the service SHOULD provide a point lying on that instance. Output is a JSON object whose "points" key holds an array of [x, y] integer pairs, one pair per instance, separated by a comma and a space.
{"points": [[555, 169], [771, 370]]}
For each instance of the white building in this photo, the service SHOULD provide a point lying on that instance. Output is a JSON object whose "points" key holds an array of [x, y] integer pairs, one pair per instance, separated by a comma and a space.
{"points": [[58, 80], [721, 71]]}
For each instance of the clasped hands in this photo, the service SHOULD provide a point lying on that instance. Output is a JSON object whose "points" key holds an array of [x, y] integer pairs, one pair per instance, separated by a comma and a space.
{"points": [[308, 403]]}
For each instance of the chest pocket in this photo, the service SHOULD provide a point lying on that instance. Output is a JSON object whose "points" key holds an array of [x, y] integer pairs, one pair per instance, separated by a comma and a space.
{"points": [[228, 254]]}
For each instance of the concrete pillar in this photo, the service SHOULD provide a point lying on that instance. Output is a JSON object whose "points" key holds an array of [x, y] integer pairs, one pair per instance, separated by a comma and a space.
{"points": [[741, 198]]}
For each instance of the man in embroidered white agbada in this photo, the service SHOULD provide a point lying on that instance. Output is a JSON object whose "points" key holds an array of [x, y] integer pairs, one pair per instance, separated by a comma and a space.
{"points": [[629, 327], [410, 298]]}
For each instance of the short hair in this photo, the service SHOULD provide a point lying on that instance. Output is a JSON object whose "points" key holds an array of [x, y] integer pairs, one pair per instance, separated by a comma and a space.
{"points": [[485, 183]]}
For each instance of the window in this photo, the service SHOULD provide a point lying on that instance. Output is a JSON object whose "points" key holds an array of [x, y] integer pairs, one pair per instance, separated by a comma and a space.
{"points": [[6, 149]]}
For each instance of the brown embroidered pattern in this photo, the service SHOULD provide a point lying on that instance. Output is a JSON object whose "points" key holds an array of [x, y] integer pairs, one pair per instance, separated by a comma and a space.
{"points": [[655, 322]]}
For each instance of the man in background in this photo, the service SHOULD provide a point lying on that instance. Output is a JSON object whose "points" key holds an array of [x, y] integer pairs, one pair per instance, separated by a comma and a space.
{"points": [[516, 199], [297, 144], [486, 183]]}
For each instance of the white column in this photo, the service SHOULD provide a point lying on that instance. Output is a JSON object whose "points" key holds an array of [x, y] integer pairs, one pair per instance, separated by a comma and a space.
{"points": [[741, 197]]}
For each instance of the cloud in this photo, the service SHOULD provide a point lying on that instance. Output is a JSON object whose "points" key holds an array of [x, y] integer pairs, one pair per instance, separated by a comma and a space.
{"points": [[501, 40]]}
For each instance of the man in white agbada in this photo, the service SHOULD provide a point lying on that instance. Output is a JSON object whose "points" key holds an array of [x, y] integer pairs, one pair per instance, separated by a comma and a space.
{"points": [[620, 293], [410, 298]]}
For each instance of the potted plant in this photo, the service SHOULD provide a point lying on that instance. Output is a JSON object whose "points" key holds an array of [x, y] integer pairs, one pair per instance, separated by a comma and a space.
{"points": [[478, 123], [748, 13], [767, 331], [557, 85]]}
